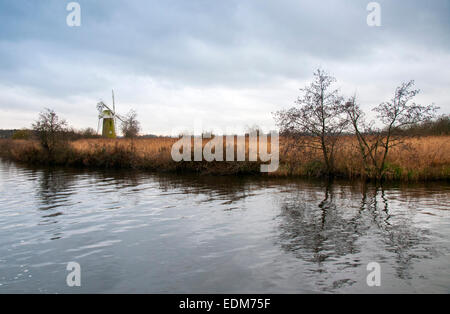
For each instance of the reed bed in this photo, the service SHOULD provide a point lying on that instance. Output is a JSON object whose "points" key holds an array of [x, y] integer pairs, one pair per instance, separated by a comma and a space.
{"points": [[418, 159]]}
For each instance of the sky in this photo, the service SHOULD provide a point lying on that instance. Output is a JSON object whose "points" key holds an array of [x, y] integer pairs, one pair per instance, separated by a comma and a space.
{"points": [[221, 64]]}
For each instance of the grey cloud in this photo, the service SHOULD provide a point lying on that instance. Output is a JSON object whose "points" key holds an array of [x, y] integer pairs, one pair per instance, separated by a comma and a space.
{"points": [[234, 44]]}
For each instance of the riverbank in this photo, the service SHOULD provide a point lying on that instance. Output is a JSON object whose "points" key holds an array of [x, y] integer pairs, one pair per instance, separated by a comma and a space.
{"points": [[420, 159]]}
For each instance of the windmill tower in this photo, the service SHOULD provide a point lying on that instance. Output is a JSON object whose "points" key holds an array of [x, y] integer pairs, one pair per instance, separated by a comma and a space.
{"points": [[108, 116]]}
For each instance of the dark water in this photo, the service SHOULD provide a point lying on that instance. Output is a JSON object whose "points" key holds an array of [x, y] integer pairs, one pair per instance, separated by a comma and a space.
{"points": [[134, 232]]}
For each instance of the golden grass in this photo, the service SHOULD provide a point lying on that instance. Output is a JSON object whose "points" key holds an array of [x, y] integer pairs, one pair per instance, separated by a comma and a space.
{"points": [[424, 158], [143, 147]]}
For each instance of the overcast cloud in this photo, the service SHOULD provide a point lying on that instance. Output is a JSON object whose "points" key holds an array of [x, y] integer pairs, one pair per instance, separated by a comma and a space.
{"points": [[229, 63]]}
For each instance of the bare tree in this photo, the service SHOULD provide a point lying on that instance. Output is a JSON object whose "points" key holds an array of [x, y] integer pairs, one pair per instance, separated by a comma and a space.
{"points": [[318, 119], [396, 114], [367, 137], [130, 125], [50, 130]]}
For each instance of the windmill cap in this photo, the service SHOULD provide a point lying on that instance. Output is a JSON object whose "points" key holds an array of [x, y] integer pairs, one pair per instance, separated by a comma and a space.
{"points": [[107, 114]]}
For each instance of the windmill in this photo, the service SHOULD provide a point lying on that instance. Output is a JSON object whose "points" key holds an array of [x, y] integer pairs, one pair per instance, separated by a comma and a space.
{"points": [[109, 118]]}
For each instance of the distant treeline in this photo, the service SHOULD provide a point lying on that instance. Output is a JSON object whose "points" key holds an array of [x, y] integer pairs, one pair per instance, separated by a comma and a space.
{"points": [[436, 127], [28, 134], [71, 134], [7, 133]]}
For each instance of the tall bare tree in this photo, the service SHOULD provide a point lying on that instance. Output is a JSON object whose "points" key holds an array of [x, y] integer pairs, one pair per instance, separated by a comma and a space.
{"points": [[318, 118], [398, 113]]}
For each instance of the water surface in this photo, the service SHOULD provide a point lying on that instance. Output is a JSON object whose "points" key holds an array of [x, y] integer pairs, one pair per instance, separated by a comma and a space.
{"points": [[145, 233]]}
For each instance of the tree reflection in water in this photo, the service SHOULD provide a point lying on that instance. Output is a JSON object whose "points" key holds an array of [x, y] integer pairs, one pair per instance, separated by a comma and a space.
{"points": [[334, 233]]}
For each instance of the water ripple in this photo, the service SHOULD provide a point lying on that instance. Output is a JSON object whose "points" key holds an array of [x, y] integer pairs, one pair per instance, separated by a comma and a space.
{"points": [[147, 233]]}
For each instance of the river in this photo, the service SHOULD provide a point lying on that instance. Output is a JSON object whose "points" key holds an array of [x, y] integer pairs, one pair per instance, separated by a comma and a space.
{"points": [[134, 232]]}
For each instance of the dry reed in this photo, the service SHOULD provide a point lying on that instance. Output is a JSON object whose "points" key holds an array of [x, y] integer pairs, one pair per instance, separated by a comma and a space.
{"points": [[424, 158]]}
